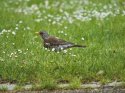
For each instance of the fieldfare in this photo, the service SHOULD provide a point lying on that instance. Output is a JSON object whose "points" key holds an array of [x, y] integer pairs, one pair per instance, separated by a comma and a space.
{"points": [[56, 44]]}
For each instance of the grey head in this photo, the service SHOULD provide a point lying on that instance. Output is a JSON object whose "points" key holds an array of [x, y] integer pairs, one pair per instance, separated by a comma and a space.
{"points": [[44, 34]]}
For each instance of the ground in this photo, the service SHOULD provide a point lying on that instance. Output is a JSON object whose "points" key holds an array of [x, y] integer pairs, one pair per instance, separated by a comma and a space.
{"points": [[98, 24]]}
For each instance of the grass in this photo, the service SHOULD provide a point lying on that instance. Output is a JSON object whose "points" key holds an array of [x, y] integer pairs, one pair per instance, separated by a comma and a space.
{"points": [[23, 59], [3, 88]]}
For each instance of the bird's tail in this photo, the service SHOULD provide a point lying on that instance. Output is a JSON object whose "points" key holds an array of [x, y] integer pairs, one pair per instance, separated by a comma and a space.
{"points": [[82, 46]]}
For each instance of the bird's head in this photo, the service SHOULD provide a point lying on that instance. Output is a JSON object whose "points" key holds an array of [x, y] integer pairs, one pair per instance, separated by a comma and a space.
{"points": [[43, 34]]}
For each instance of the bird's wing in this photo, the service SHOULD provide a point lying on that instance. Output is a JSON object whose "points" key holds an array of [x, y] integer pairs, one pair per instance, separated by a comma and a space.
{"points": [[57, 41]]}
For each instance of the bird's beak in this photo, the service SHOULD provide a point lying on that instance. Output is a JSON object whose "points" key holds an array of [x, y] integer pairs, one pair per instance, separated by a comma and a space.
{"points": [[37, 33]]}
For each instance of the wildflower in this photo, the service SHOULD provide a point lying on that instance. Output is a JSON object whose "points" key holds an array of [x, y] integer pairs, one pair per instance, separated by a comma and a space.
{"points": [[53, 49], [11, 54], [61, 10], [20, 51], [82, 38], [61, 48], [13, 43], [70, 53], [65, 27], [38, 20], [47, 4], [100, 72], [24, 53], [9, 30], [28, 28], [13, 33], [16, 56], [45, 48], [58, 52], [70, 49], [61, 32], [4, 52], [20, 21], [73, 55], [17, 24], [49, 50], [123, 12], [65, 34], [32, 53], [1, 59], [24, 28], [4, 30], [49, 20], [65, 51], [105, 7], [16, 28], [54, 22]]}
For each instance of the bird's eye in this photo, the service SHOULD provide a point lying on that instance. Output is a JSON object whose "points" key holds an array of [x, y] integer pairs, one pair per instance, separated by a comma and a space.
{"points": [[41, 33]]}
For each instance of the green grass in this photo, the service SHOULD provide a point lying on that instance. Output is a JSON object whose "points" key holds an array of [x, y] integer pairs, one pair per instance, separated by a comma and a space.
{"points": [[3, 88], [23, 59]]}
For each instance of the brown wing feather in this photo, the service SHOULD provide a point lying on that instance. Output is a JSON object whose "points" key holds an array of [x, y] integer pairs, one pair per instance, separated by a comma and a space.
{"points": [[56, 41]]}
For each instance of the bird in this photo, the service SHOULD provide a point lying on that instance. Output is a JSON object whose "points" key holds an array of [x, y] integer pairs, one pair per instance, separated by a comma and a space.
{"points": [[56, 44]]}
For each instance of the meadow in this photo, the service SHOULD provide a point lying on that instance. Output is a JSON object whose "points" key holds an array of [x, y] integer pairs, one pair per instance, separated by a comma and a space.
{"points": [[98, 24]]}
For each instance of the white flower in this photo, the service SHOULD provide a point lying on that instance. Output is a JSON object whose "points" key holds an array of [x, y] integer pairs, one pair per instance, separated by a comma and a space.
{"points": [[38, 20], [49, 20], [34, 7], [53, 49], [16, 56], [24, 28], [61, 10], [20, 21], [45, 48], [61, 48], [17, 24], [123, 12], [82, 38], [100, 72], [24, 53], [13, 43], [61, 32], [58, 52], [4, 31], [16, 28], [70, 49], [65, 27], [73, 55], [1, 59], [70, 53], [1, 33], [48, 50], [54, 22], [11, 54], [65, 34], [9, 30], [4, 52], [14, 33], [105, 7], [28, 28], [46, 3], [20, 51], [65, 51]]}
